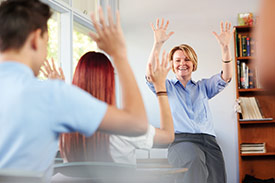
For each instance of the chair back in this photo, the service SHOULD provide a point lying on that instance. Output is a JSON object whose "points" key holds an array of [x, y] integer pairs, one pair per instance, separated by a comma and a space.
{"points": [[18, 176]]}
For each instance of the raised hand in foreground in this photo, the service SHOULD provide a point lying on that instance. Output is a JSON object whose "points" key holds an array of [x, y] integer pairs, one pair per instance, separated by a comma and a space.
{"points": [[51, 72], [159, 73], [165, 134]]}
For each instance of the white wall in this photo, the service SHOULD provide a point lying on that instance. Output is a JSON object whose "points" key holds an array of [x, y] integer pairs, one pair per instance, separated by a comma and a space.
{"points": [[193, 23]]}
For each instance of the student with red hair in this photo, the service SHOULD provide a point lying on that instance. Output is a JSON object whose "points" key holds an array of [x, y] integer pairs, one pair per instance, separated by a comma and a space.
{"points": [[95, 74]]}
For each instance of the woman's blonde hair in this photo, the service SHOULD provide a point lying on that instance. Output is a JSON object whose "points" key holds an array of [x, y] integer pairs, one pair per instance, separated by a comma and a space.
{"points": [[190, 53]]}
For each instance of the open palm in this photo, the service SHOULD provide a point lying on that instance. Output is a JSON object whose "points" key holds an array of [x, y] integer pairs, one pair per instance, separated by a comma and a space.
{"points": [[159, 73], [225, 36], [160, 34]]}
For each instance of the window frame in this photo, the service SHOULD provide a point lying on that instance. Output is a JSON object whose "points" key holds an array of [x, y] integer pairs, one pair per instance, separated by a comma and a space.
{"points": [[69, 15]]}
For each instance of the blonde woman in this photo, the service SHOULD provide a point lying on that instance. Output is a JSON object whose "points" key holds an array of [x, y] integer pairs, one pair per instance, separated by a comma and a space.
{"points": [[195, 146]]}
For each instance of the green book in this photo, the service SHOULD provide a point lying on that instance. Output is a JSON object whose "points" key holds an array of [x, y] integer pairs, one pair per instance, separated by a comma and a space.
{"points": [[237, 43]]}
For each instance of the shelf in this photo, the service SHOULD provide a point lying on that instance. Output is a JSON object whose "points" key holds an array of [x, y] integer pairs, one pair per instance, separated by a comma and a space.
{"points": [[245, 58], [252, 90], [256, 122], [243, 27], [254, 131], [258, 154]]}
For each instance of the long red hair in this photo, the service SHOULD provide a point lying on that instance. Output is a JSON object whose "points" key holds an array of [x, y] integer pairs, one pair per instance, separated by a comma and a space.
{"points": [[94, 73]]}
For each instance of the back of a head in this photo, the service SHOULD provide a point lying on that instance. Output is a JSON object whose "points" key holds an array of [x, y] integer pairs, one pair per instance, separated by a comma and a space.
{"points": [[18, 18], [95, 74]]}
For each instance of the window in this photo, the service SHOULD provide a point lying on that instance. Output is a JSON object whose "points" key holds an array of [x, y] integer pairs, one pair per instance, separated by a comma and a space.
{"points": [[85, 7], [69, 28], [66, 1], [54, 41], [82, 43]]}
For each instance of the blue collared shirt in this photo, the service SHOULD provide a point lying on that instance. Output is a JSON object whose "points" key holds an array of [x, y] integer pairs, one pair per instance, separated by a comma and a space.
{"points": [[189, 105], [33, 113]]}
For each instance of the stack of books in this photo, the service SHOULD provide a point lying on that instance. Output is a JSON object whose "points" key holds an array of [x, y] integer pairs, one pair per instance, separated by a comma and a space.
{"points": [[245, 45], [247, 76], [247, 148], [250, 108]]}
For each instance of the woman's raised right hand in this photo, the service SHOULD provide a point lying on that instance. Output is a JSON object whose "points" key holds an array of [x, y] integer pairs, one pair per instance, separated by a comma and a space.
{"points": [[159, 73], [160, 35]]}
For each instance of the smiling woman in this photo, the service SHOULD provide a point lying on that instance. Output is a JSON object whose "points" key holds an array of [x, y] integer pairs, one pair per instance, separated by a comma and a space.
{"points": [[183, 53], [195, 146]]}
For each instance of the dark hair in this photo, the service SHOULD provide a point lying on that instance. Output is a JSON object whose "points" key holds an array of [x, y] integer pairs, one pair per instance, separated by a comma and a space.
{"points": [[94, 73], [18, 18]]}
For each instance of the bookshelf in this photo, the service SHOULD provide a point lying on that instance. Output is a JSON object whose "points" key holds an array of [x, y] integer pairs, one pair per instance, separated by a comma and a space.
{"points": [[260, 165], [251, 90]]}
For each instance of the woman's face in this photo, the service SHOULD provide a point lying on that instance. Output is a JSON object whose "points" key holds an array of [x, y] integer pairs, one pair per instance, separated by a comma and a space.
{"points": [[182, 65]]}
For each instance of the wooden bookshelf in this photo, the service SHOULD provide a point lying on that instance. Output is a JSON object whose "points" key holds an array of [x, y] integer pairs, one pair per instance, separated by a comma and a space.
{"points": [[258, 154], [245, 58], [257, 122], [260, 165], [251, 90]]}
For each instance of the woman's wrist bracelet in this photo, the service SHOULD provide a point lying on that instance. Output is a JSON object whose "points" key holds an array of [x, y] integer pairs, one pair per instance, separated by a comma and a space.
{"points": [[226, 61], [161, 93]]}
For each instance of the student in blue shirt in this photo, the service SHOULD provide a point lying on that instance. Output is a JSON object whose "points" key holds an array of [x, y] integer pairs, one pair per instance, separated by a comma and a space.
{"points": [[195, 145], [33, 113]]}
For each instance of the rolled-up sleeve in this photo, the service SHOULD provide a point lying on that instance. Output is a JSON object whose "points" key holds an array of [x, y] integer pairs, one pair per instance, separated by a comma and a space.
{"points": [[77, 110], [214, 85]]}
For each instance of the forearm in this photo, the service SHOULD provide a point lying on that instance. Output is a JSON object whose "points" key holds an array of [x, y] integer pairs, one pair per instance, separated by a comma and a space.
{"points": [[165, 134], [156, 48], [226, 67]]}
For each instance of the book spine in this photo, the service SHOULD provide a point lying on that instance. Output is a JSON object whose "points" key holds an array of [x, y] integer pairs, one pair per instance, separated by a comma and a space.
{"points": [[248, 46], [246, 77], [252, 46], [240, 45], [250, 79], [242, 79], [244, 51], [239, 74], [237, 43]]}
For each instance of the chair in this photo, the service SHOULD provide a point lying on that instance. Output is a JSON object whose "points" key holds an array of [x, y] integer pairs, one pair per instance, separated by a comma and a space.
{"points": [[18, 176], [108, 172]]}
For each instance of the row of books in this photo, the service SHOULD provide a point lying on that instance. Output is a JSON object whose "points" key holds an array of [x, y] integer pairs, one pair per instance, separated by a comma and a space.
{"points": [[250, 109], [247, 148], [245, 45], [247, 77]]}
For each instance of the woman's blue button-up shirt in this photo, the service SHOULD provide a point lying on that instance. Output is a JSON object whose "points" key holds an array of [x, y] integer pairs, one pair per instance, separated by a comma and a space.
{"points": [[189, 105]]}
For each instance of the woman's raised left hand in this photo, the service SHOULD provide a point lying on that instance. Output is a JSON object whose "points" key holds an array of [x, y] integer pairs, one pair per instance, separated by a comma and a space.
{"points": [[225, 36]]}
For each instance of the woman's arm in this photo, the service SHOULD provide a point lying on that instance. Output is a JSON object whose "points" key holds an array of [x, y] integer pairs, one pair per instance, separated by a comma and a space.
{"points": [[160, 36], [165, 134], [224, 40]]}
